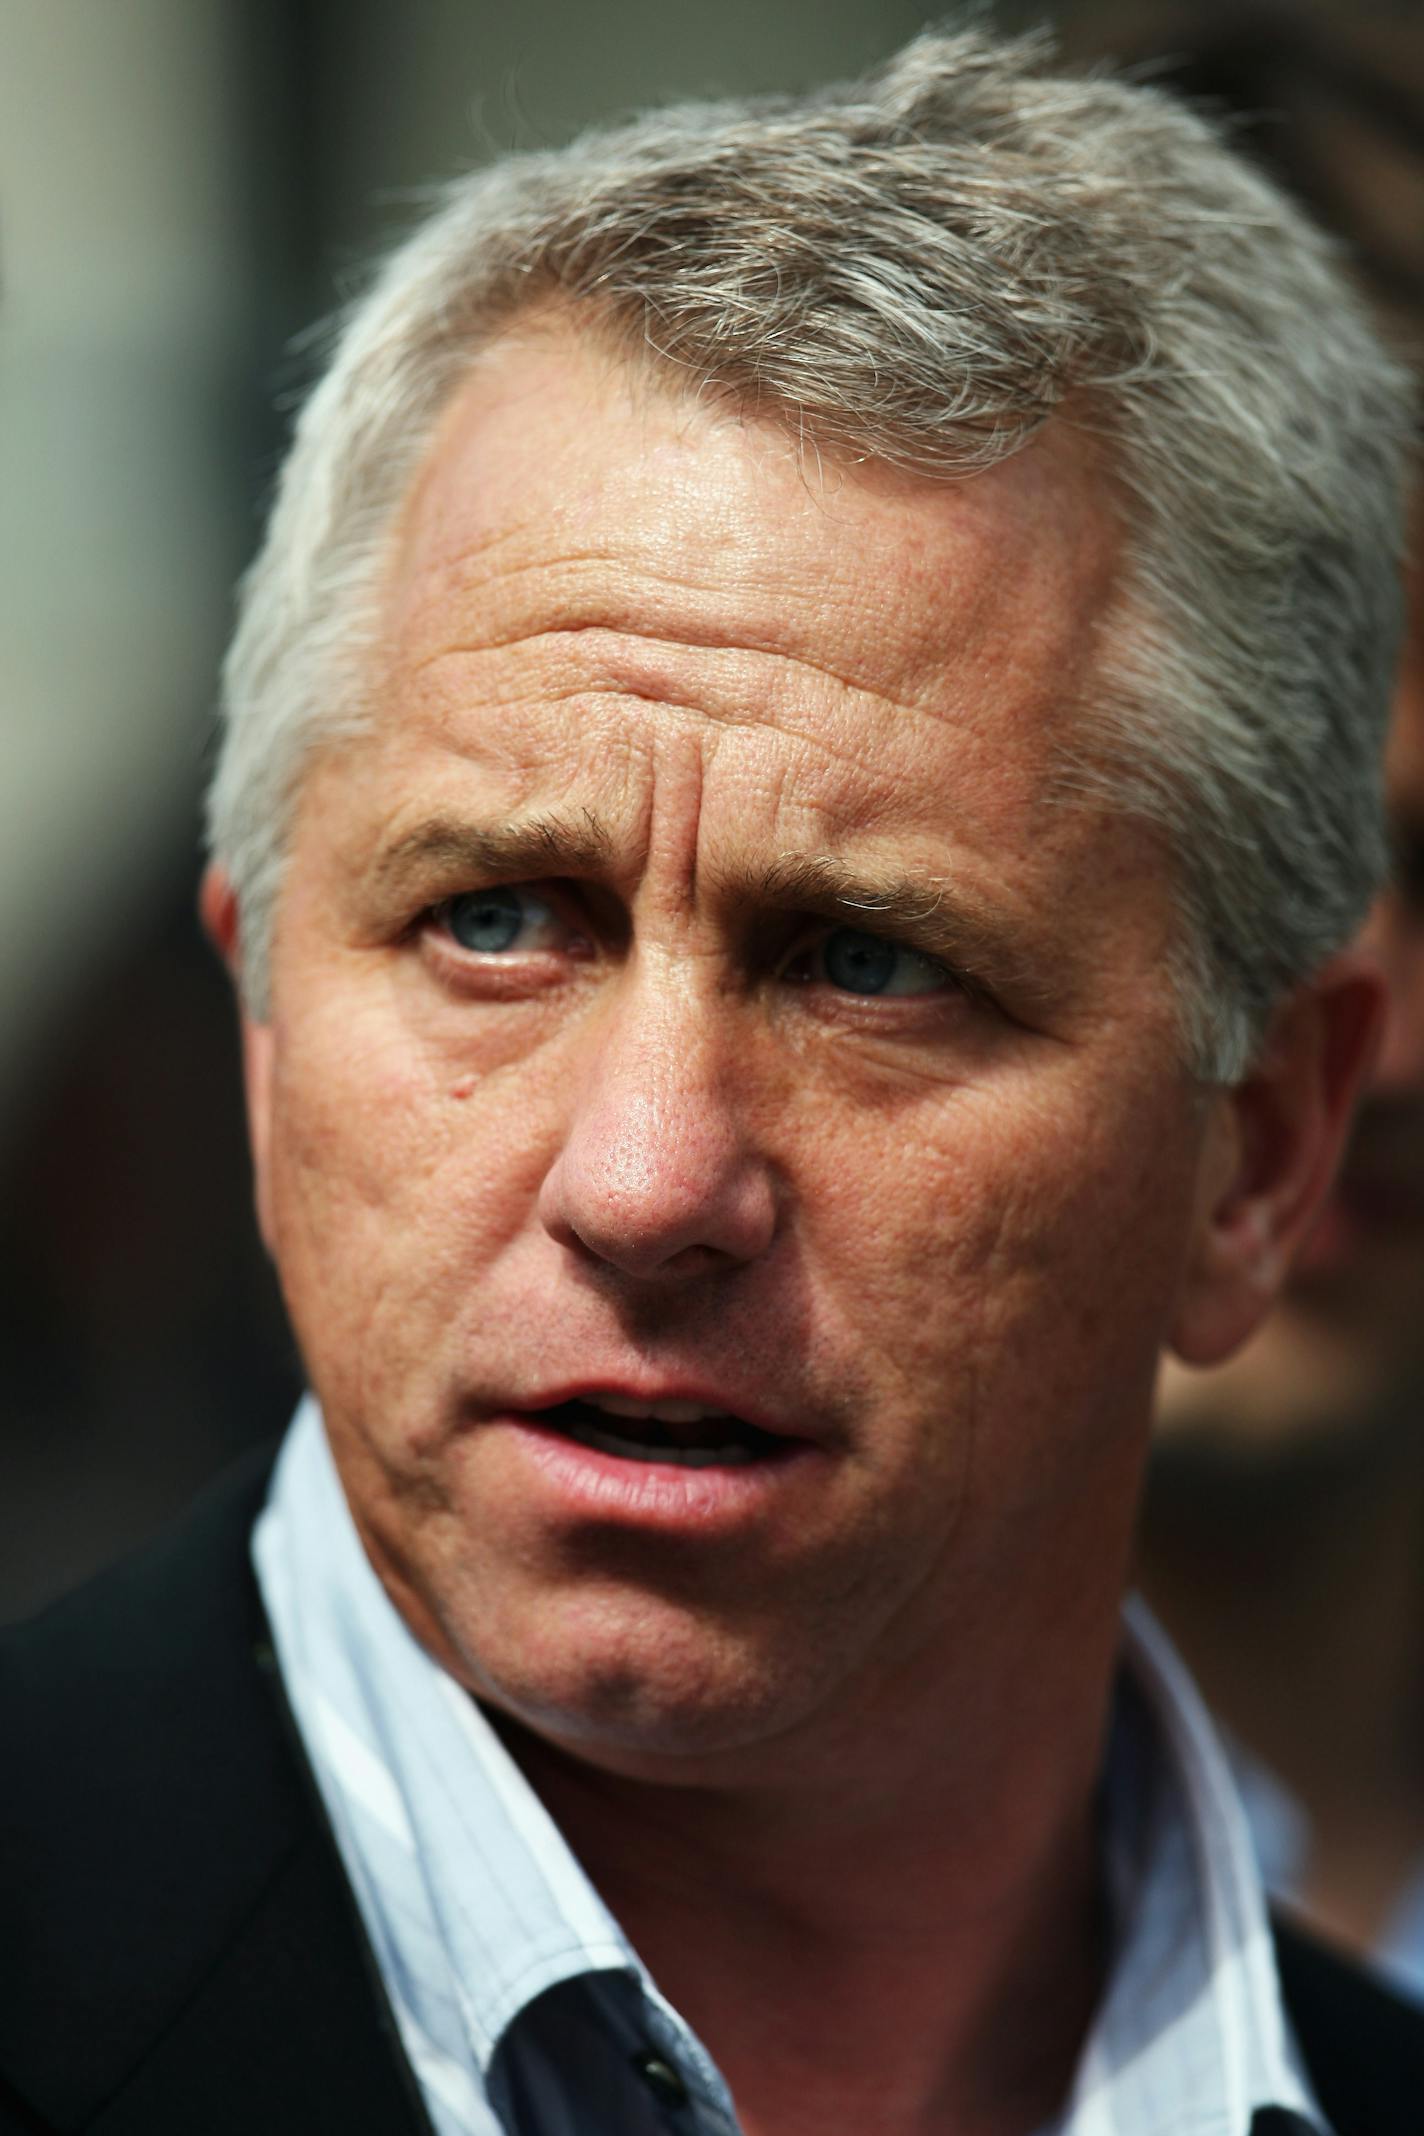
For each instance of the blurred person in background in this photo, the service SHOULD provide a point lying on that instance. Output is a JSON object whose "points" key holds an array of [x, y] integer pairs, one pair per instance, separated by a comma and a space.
{"points": [[1283, 1535]]}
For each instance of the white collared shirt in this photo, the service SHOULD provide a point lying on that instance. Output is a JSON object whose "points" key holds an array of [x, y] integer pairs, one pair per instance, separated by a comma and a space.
{"points": [[523, 2008]]}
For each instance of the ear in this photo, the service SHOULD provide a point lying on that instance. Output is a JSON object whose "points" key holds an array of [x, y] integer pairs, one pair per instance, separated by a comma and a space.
{"points": [[1269, 1151], [218, 909]]}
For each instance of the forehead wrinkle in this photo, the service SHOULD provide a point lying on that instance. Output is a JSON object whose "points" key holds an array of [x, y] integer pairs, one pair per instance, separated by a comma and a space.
{"points": [[639, 673], [647, 681], [572, 712], [600, 594], [638, 624]]}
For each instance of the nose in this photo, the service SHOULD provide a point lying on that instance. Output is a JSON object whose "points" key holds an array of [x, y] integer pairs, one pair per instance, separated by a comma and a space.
{"points": [[658, 1176]]}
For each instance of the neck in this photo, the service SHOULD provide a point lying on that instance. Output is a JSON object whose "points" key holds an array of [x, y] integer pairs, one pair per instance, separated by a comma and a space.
{"points": [[861, 1956], [1294, 1583]]}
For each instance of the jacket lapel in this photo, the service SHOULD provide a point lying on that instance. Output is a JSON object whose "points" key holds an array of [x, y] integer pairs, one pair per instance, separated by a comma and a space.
{"points": [[1363, 2048], [190, 1954], [293, 2018]]}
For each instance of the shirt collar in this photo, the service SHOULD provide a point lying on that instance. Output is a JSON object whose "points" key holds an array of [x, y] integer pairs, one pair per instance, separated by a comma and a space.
{"points": [[475, 1904], [1191, 2038]]}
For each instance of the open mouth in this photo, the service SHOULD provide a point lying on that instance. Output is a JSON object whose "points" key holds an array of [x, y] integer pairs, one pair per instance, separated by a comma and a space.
{"points": [[680, 1433]]}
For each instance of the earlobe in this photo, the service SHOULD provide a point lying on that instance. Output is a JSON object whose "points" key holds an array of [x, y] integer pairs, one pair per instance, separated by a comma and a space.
{"points": [[217, 909], [1269, 1150]]}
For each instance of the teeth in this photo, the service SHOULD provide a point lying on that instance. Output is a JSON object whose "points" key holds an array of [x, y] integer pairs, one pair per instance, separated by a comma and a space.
{"points": [[627, 1405]]}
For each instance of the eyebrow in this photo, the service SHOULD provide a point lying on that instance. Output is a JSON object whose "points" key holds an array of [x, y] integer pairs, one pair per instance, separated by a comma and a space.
{"points": [[925, 911], [540, 845]]}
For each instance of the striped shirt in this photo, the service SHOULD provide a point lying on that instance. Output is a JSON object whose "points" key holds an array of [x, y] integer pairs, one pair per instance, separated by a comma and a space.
{"points": [[522, 2006]]}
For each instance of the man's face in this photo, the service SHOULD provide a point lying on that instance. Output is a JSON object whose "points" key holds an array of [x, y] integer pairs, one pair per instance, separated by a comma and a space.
{"points": [[695, 996]]}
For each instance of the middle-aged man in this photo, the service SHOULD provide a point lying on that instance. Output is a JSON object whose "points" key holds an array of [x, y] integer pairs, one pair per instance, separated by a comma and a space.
{"points": [[797, 762]]}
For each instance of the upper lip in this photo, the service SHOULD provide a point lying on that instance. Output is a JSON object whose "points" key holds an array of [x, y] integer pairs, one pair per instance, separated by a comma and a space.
{"points": [[646, 1397]]}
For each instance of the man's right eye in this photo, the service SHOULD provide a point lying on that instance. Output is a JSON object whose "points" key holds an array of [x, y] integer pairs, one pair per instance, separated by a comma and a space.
{"points": [[508, 917]]}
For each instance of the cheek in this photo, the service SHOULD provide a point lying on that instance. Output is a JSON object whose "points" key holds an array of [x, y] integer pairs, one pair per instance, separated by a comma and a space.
{"points": [[394, 1178], [976, 1239]]}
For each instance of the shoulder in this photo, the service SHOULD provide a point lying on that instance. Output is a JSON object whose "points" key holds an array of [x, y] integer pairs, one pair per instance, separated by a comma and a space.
{"points": [[165, 1873], [1362, 2045], [102, 1692], [135, 1736]]}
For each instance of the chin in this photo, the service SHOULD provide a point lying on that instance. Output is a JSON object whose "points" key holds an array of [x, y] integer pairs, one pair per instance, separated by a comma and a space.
{"points": [[629, 1682]]}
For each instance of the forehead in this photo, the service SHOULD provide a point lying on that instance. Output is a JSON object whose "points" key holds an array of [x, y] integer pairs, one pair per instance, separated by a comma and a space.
{"points": [[567, 490]]}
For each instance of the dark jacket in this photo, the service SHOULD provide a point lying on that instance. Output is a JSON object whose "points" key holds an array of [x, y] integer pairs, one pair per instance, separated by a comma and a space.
{"points": [[182, 1954]]}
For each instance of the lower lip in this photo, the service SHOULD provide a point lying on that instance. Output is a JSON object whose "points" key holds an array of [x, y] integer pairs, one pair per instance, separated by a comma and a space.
{"points": [[592, 1485]]}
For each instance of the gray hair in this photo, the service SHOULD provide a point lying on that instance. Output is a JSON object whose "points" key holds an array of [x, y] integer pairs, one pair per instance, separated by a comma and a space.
{"points": [[922, 267]]}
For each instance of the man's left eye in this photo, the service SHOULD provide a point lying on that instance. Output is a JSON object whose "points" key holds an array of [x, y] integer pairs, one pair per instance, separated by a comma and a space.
{"points": [[505, 918], [858, 963]]}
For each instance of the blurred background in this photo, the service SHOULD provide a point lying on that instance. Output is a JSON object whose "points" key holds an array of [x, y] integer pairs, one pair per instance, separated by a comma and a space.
{"points": [[185, 187]]}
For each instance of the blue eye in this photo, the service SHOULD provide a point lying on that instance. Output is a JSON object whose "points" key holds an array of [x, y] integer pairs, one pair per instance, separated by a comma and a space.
{"points": [[491, 920], [867, 964]]}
